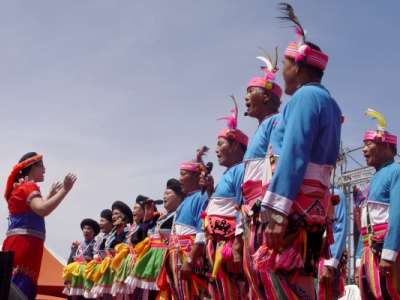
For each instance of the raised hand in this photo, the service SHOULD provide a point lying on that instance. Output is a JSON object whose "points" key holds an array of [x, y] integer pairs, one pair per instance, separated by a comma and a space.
{"points": [[69, 181], [55, 187]]}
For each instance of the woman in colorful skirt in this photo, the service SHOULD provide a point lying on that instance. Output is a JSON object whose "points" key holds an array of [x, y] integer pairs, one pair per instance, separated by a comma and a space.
{"points": [[82, 252], [136, 245], [148, 266], [116, 248], [26, 230]]}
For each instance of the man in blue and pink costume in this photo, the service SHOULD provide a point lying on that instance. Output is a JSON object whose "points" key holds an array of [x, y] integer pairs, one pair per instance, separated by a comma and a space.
{"points": [[184, 264], [223, 214], [262, 101], [380, 216], [295, 207]]}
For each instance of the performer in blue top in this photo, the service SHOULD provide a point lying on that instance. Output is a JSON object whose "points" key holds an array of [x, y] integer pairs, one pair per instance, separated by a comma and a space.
{"points": [[262, 102], [330, 273], [222, 214], [306, 140], [380, 216], [184, 261]]}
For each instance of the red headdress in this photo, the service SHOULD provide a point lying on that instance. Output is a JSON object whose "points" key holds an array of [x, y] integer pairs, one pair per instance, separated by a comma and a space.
{"points": [[17, 170]]}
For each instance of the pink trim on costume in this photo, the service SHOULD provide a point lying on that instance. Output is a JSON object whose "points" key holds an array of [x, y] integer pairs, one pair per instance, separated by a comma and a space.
{"points": [[303, 52], [380, 137]]}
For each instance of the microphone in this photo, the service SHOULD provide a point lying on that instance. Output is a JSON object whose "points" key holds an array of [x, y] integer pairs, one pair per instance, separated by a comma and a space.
{"points": [[209, 167], [158, 202]]}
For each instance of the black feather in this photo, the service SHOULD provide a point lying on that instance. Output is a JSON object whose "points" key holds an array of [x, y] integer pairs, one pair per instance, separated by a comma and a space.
{"points": [[288, 15]]}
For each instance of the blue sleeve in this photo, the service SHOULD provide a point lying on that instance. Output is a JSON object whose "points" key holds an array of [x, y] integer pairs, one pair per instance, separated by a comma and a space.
{"points": [[237, 188], [301, 121], [339, 227], [391, 245], [199, 205]]}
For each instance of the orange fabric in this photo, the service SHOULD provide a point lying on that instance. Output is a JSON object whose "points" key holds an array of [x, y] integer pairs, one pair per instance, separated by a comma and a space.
{"points": [[50, 282]]}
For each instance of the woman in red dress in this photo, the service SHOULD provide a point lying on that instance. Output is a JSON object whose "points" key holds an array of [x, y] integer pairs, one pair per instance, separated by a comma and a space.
{"points": [[27, 209]]}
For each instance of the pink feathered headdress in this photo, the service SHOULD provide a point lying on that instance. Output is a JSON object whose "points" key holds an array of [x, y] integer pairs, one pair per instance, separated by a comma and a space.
{"points": [[196, 165], [267, 81], [380, 135], [231, 130], [300, 51]]}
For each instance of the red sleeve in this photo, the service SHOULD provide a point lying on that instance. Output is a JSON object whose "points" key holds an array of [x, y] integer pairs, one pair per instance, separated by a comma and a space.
{"points": [[21, 196]]}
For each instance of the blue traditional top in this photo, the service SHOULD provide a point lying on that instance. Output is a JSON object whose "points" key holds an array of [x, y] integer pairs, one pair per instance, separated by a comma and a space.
{"points": [[259, 143], [226, 199], [188, 215], [306, 136], [384, 206]]}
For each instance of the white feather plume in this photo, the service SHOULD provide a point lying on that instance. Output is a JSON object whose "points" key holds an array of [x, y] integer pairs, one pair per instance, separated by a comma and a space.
{"points": [[267, 62]]}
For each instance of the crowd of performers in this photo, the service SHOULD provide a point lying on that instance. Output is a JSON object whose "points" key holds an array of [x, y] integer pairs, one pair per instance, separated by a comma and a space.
{"points": [[273, 227]]}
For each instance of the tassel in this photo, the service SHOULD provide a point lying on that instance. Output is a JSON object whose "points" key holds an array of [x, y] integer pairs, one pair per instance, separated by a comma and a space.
{"points": [[226, 251], [264, 259], [142, 247], [217, 261], [122, 251]]}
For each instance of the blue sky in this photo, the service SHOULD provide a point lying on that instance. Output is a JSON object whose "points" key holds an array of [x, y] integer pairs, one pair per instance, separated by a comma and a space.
{"points": [[121, 92]]}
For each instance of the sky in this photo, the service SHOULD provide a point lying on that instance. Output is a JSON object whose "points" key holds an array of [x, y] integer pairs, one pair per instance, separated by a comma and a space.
{"points": [[121, 92]]}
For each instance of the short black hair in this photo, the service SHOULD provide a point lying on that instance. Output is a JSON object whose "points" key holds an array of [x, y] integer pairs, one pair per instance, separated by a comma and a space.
{"points": [[274, 102], [313, 71], [231, 140]]}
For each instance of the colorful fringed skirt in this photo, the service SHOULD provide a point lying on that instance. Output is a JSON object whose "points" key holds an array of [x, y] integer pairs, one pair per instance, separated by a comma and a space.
{"points": [[180, 289], [104, 278], [123, 264], [223, 283], [76, 284], [148, 266], [374, 285]]}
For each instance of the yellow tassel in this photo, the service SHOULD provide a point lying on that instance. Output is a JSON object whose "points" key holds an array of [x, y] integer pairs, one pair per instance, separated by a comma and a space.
{"points": [[105, 264], [378, 117], [142, 247], [89, 270], [122, 250], [217, 261], [70, 270]]}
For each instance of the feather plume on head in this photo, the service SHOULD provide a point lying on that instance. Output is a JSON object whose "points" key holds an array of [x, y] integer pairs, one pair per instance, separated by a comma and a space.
{"points": [[231, 120], [380, 119], [231, 131], [200, 153], [379, 135], [271, 65], [289, 15]]}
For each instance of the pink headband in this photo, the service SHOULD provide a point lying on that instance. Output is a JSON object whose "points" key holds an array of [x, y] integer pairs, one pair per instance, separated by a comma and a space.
{"points": [[197, 164], [266, 84], [380, 137], [303, 52], [191, 166], [234, 134]]}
